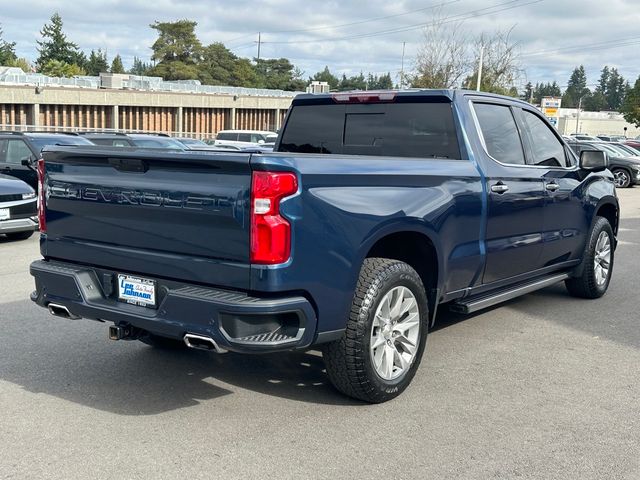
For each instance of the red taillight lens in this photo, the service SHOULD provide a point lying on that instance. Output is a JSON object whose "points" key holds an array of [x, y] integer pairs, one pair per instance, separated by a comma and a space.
{"points": [[42, 219], [270, 232]]}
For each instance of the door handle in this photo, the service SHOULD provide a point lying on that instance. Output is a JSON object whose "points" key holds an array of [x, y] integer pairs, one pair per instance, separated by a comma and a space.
{"points": [[499, 188], [552, 187]]}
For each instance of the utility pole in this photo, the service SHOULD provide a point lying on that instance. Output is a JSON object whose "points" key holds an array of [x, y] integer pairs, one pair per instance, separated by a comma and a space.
{"points": [[259, 43], [404, 44], [578, 115], [480, 68]]}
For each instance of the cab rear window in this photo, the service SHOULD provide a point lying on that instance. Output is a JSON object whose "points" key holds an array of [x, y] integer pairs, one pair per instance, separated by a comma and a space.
{"points": [[421, 130]]}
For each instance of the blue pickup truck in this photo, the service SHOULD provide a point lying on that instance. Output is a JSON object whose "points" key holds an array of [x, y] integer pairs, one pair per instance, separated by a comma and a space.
{"points": [[375, 210]]}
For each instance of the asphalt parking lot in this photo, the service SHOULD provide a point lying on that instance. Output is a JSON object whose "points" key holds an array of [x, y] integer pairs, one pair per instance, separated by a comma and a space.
{"points": [[544, 387]]}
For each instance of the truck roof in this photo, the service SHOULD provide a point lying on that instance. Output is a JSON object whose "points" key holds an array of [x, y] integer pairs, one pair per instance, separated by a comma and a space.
{"points": [[449, 94]]}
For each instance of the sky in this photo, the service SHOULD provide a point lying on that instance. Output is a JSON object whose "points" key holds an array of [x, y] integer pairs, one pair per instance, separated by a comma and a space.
{"points": [[553, 36]]}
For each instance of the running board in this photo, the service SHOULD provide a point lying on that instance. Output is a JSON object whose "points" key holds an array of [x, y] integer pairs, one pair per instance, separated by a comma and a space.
{"points": [[479, 302]]}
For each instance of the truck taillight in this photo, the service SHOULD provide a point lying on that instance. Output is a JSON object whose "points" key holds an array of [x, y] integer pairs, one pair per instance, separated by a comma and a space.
{"points": [[42, 219], [270, 232]]}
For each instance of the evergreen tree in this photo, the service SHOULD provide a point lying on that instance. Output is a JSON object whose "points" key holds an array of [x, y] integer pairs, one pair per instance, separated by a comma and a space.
{"points": [[97, 63], [326, 76], [139, 67], [631, 105], [116, 65], [576, 88], [177, 50], [55, 46], [615, 90], [7, 51]]}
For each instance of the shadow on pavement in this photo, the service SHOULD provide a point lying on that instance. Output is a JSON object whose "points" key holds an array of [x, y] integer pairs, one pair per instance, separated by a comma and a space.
{"points": [[74, 360]]}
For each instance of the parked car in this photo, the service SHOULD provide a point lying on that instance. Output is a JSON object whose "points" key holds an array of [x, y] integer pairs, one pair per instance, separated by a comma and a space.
{"points": [[585, 138], [18, 211], [611, 138], [376, 210], [245, 138], [625, 168], [634, 152], [191, 142], [633, 143], [143, 140], [19, 151]]}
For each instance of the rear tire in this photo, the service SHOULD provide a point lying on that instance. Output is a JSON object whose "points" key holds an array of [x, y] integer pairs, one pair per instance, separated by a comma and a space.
{"points": [[163, 343], [19, 235], [597, 261], [383, 343]]}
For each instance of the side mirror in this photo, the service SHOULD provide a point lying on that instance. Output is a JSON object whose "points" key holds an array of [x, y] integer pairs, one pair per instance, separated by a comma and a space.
{"points": [[260, 142], [594, 160], [28, 161]]}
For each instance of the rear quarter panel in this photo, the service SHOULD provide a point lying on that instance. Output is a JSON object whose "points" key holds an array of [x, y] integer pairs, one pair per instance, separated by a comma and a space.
{"points": [[346, 203]]}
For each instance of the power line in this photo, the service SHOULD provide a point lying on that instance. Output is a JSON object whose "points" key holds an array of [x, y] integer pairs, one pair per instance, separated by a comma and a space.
{"points": [[452, 18], [592, 46], [360, 22]]}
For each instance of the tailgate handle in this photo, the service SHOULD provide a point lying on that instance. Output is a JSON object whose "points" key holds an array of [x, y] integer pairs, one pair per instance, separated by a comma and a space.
{"points": [[129, 164]]}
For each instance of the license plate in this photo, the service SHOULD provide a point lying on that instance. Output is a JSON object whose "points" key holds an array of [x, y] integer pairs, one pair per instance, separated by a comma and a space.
{"points": [[5, 214], [137, 291]]}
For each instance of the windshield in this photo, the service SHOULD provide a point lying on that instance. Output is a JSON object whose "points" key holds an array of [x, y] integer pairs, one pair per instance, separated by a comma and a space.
{"points": [[42, 141]]}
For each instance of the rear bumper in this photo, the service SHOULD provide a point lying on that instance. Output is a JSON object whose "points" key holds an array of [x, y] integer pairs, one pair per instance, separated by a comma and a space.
{"points": [[18, 225], [235, 320]]}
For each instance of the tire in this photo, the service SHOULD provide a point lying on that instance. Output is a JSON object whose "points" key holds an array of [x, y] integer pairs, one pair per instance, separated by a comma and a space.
{"points": [[352, 366], [622, 177], [19, 235], [163, 343], [591, 284]]}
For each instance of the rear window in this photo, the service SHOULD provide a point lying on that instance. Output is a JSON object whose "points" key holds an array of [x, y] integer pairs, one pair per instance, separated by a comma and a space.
{"points": [[421, 130], [42, 141]]}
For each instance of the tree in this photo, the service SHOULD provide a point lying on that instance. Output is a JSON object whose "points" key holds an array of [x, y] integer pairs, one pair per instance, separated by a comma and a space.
{"points": [[218, 65], [56, 68], [55, 46], [177, 50], [7, 51], [631, 106], [528, 92], [616, 88], [176, 41], [356, 82], [382, 82], [576, 88], [443, 58], [97, 63], [326, 76], [116, 65], [542, 90], [500, 64], [244, 74], [21, 63], [139, 67], [276, 73]]}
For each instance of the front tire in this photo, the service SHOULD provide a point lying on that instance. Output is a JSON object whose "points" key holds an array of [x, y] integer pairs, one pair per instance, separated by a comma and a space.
{"points": [[597, 266], [383, 343]]}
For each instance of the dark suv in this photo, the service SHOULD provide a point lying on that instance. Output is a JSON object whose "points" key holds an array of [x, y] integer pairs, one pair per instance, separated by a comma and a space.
{"points": [[18, 150], [144, 140]]}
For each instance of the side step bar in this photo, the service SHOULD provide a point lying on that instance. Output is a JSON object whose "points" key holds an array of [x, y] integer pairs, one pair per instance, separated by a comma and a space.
{"points": [[480, 302]]}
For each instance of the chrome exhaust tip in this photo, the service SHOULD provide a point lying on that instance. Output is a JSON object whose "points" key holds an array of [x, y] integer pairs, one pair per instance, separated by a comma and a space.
{"points": [[61, 311], [200, 342]]}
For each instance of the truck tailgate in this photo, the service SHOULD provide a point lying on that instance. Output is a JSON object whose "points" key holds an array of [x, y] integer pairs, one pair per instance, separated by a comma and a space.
{"points": [[168, 214]]}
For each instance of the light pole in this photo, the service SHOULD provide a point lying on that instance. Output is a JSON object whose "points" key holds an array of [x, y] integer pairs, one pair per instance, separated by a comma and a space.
{"points": [[480, 68], [402, 67], [578, 115]]}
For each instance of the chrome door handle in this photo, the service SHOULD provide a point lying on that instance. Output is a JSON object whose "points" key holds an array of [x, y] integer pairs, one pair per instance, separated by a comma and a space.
{"points": [[499, 188], [552, 187]]}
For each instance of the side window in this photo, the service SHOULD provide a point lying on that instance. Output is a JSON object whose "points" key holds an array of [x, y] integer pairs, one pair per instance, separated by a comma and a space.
{"points": [[120, 143], [546, 149], [500, 133], [17, 151], [3, 151], [244, 137]]}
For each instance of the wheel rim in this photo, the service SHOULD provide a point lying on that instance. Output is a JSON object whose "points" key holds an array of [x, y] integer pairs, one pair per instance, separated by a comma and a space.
{"points": [[395, 334], [602, 259], [621, 178]]}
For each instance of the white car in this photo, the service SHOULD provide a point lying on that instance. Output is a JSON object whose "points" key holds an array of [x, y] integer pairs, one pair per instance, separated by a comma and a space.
{"points": [[245, 138]]}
